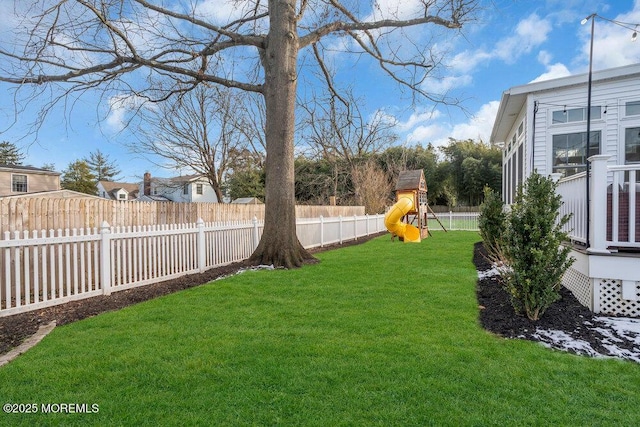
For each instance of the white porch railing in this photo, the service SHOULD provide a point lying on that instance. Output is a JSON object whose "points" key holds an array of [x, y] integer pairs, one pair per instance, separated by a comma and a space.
{"points": [[573, 190], [614, 206], [42, 269], [623, 207]]}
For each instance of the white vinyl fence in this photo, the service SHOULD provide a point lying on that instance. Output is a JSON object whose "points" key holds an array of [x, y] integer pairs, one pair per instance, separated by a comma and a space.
{"points": [[41, 269], [460, 221]]}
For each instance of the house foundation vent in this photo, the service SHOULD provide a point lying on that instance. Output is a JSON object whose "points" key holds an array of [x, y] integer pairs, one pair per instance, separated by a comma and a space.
{"points": [[610, 301], [579, 285]]}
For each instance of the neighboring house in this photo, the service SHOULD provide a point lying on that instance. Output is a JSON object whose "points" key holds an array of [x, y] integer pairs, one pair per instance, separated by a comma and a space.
{"points": [[118, 190], [247, 201], [181, 189], [17, 180], [54, 194], [543, 126]]}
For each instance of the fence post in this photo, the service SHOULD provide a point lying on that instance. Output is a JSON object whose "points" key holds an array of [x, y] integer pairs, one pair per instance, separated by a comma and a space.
{"points": [[201, 246], [367, 219], [340, 228], [105, 258], [450, 220], [321, 231], [598, 204], [355, 227], [256, 234]]}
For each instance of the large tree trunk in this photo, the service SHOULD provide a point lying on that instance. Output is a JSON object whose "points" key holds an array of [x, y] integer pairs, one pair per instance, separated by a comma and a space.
{"points": [[279, 244]]}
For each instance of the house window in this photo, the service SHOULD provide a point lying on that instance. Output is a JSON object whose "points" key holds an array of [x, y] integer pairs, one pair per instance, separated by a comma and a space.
{"points": [[570, 151], [122, 196], [19, 183], [199, 188], [575, 115], [632, 108], [632, 145], [185, 189]]}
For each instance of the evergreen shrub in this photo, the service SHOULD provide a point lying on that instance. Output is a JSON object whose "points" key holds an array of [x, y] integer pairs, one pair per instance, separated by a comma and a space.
{"points": [[533, 247]]}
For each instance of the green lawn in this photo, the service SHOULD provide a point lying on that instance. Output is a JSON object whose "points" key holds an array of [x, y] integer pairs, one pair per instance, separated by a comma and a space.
{"points": [[383, 333]]}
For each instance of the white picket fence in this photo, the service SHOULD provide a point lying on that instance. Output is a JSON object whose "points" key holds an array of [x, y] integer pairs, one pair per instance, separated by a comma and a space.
{"points": [[459, 221], [42, 269]]}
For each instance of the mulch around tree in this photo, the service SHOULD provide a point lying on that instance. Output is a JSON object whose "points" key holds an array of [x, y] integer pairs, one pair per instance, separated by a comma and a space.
{"points": [[16, 328]]}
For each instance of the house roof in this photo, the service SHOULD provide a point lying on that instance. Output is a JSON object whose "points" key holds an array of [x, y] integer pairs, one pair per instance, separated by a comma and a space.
{"points": [[152, 198], [179, 179], [514, 98], [54, 194], [247, 201], [411, 180], [29, 169], [112, 188]]}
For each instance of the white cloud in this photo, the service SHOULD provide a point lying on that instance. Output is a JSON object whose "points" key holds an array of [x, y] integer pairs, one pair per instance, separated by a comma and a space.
{"points": [[553, 71], [421, 128], [225, 11], [394, 9], [479, 125], [422, 135], [544, 57], [443, 85], [417, 117], [612, 45], [467, 61], [120, 108], [529, 33]]}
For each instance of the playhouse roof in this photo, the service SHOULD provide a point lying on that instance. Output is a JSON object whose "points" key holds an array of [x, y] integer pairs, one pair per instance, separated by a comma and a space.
{"points": [[411, 180]]}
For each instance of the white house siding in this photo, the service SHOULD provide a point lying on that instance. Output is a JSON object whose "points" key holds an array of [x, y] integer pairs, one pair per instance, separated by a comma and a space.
{"points": [[208, 194], [514, 158], [610, 95], [540, 152], [605, 282], [174, 191]]}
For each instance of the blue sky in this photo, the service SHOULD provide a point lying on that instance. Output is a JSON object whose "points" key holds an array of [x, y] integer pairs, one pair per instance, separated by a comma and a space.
{"points": [[512, 42]]}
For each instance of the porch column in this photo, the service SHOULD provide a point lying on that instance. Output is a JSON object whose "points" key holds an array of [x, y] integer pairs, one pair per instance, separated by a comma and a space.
{"points": [[598, 204]]}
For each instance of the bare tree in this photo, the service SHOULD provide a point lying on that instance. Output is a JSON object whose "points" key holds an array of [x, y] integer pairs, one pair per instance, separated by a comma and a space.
{"points": [[157, 52], [339, 133], [374, 186], [196, 131]]}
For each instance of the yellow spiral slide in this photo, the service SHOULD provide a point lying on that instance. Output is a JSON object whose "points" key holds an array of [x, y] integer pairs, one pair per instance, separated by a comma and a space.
{"points": [[393, 221]]}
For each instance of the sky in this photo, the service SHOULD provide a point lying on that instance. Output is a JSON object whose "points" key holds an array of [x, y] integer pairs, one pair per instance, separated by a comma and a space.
{"points": [[509, 43]]}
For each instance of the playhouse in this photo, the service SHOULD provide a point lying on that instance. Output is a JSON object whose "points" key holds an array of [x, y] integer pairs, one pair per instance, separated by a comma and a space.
{"points": [[407, 218]]}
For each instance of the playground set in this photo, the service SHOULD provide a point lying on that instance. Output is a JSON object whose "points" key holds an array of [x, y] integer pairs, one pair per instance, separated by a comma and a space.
{"points": [[412, 206]]}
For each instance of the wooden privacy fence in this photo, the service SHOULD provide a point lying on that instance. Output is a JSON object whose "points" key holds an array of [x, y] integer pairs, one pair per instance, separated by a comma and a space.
{"points": [[41, 213], [40, 269]]}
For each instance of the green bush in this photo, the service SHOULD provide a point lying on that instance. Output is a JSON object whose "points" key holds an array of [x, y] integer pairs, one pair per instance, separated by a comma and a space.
{"points": [[533, 247], [492, 223]]}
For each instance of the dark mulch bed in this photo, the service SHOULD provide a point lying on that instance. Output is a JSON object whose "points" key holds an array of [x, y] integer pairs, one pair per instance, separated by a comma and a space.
{"points": [[15, 329], [498, 316], [566, 315]]}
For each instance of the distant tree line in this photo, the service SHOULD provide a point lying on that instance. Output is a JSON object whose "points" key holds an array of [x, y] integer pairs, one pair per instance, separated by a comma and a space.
{"points": [[456, 175]]}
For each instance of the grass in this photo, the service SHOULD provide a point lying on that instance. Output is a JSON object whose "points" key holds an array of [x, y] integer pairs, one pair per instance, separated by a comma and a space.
{"points": [[378, 334]]}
